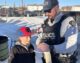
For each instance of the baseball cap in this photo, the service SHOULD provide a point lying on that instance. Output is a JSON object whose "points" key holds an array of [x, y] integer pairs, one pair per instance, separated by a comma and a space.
{"points": [[49, 4], [24, 31]]}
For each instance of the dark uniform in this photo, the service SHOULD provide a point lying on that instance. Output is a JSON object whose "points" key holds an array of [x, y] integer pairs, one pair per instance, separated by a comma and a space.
{"points": [[51, 34]]}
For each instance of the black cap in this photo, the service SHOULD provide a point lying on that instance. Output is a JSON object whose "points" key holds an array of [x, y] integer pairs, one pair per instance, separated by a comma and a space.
{"points": [[49, 4]]}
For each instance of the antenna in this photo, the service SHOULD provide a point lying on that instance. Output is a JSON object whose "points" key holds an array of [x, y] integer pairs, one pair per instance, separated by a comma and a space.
{"points": [[22, 8]]}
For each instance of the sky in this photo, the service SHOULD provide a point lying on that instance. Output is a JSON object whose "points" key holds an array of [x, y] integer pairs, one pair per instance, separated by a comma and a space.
{"points": [[26, 2]]}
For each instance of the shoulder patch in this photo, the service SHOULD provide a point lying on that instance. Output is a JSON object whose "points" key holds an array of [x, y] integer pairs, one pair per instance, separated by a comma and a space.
{"points": [[72, 23]]}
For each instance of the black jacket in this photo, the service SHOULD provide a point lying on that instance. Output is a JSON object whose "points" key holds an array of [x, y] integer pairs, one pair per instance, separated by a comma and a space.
{"points": [[22, 55]]}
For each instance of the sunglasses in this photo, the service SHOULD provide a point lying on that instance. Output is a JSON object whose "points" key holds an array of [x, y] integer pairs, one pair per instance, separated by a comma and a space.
{"points": [[49, 10]]}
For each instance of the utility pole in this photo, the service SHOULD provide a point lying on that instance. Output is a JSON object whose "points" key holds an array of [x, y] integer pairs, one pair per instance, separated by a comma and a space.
{"points": [[14, 9], [22, 7], [6, 11]]}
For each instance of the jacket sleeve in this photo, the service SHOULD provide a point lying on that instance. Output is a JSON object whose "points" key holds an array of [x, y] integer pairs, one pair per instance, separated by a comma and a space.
{"points": [[39, 38], [11, 55], [69, 30]]}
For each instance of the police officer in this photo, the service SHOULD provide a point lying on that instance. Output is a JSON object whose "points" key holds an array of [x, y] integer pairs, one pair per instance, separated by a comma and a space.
{"points": [[59, 30]]}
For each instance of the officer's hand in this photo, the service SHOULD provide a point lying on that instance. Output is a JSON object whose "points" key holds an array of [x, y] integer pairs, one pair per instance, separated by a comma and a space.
{"points": [[43, 47]]}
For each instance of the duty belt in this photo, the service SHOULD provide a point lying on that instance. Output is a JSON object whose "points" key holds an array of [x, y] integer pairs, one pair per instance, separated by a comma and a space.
{"points": [[64, 55]]}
